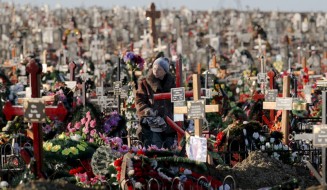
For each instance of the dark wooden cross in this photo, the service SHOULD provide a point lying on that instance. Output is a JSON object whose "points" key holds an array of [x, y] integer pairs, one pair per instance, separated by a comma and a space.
{"points": [[35, 70], [54, 112], [153, 14]]}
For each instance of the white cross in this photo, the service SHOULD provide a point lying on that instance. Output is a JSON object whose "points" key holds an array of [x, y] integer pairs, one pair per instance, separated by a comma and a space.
{"points": [[160, 47]]}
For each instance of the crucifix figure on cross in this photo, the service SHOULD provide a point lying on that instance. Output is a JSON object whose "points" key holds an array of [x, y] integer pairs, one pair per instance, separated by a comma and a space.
{"points": [[152, 14]]}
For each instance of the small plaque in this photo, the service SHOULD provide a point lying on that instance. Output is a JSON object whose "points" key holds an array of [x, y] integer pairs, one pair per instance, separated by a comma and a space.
{"points": [[22, 79], [262, 78], [99, 91], [63, 68], [320, 135], [284, 103], [271, 95], [206, 92], [117, 87], [70, 84], [178, 94], [195, 109], [34, 110]]}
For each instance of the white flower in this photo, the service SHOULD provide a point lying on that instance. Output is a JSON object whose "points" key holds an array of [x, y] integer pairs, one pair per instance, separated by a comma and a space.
{"points": [[154, 163], [224, 187], [268, 145], [4, 184], [293, 156], [187, 171], [272, 140], [246, 142], [245, 122], [239, 82], [263, 147], [280, 146], [262, 138], [244, 132], [129, 125], [285, 147], [276, 155], [130, 172], [76, 137], [138, 185], [255, 135], [276, 147]]}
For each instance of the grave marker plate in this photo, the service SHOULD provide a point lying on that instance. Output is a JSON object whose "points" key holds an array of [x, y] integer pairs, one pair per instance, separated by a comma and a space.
{"points": [[117, 87], [271, 95], [195, 109], [320, 135], [284, 103], [34, 110], [22, 79], [262, 78], [70, 84], [206, 92], [178, 94]]}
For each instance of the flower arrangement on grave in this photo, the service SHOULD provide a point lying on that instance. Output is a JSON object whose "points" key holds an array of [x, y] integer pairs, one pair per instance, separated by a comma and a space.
{"points": [[86, 129], [250, 136], [130, 112], [134, 61], [114, 125], [145, 165], [66, 156]]}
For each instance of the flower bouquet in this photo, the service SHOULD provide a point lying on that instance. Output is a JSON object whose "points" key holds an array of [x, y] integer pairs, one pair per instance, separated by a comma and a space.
{"points": [[134, 62]]}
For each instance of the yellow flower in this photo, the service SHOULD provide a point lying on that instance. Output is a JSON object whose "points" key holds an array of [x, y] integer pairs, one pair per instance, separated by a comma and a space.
{"points": [[74, 150], [47, 146], [61, 136], [55, 148]]}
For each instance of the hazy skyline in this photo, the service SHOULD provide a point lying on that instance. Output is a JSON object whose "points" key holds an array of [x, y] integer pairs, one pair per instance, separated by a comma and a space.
{"points": [[281, 5]]}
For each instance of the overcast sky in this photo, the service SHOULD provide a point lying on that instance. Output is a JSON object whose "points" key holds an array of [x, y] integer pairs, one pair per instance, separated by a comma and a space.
{"points": [[282, 5]]}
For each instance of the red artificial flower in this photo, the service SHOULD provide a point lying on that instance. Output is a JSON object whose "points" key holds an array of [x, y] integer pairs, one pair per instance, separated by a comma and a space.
{"points": [[118, 162], [140, 152], [74, 171], [219, 138]]}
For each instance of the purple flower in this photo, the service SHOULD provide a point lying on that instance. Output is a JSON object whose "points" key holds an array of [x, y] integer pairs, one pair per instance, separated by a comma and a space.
{"points": [[47, 129], [129, 56], [112, 121]]}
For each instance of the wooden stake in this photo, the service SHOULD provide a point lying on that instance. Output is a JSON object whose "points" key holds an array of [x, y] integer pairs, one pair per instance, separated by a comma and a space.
{"points": [[285, 113]]}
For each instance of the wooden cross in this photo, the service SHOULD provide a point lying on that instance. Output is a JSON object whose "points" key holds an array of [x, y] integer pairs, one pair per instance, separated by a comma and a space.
{"points": [[54, 112], [285, 113], [207, 108], [152, 15], [35, 70], [196, 97]]}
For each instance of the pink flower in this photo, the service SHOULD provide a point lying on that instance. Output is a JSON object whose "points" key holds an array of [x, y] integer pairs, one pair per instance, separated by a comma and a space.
{"points": [[83, 120], [93, 123], [77, 125], [70, 128], [86, 130], [82, 177], [93, 132], [91, 140], [87, 124], [88, 116]]}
